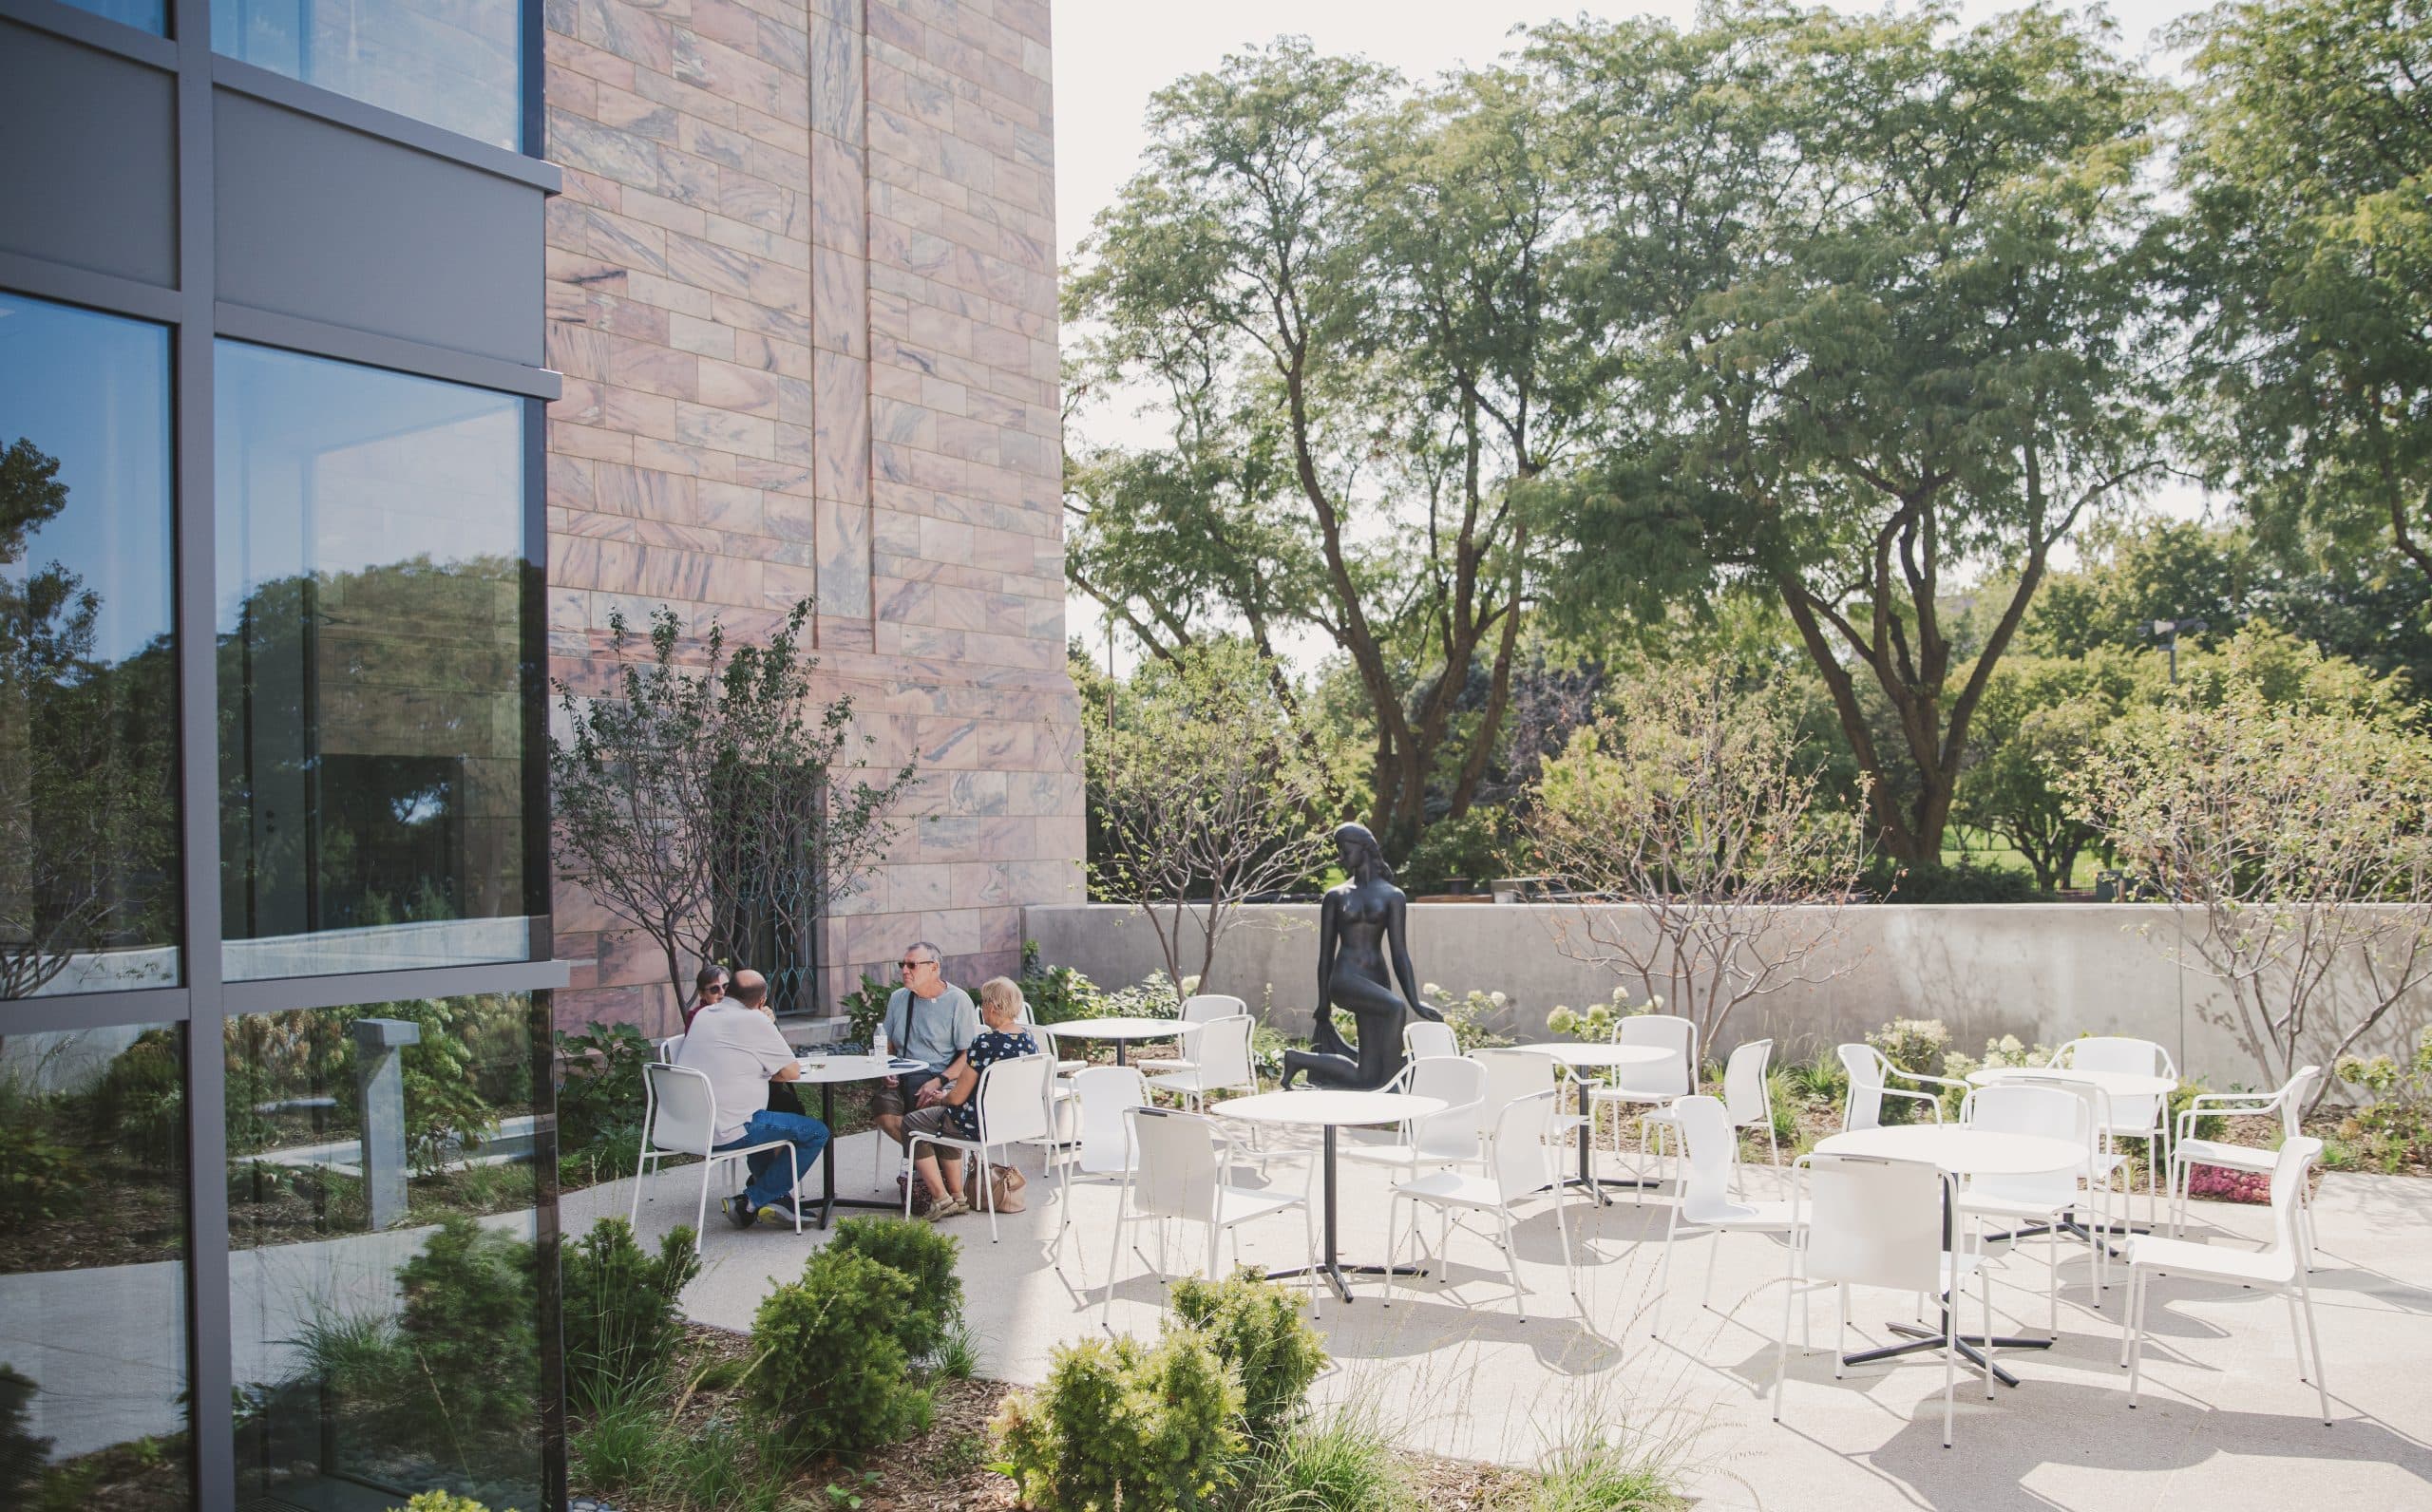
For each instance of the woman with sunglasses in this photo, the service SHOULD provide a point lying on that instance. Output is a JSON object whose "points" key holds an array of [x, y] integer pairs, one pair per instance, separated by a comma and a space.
{"points": [[709, 986]]}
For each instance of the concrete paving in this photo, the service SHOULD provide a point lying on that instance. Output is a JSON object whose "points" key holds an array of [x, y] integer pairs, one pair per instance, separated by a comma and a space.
{"points": [[2226, 1421]]}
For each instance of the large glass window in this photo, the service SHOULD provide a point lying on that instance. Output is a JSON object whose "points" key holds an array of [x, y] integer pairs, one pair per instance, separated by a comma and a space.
{"points": [[384, 1291], [87, 678], [456, 64], [151, 15], [93, 1270], [372, 682]]}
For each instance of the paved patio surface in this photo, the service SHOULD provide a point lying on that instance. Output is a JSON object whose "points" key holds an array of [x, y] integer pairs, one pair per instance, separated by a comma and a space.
{"points": [[2226, 1423]]}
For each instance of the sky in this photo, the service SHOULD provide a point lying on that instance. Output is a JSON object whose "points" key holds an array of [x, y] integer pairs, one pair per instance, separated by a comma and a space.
{"points": [[1110, 55]]}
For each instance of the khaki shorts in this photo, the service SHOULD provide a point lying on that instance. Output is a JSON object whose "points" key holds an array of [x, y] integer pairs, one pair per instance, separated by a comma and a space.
{"points": [[890, 1099], [933, 1121]]}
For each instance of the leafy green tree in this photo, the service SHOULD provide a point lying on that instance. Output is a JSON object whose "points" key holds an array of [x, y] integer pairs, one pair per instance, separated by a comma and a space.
{"points": [[1915, 344], [2306, 268], [2040, 717], [1355, 304]]}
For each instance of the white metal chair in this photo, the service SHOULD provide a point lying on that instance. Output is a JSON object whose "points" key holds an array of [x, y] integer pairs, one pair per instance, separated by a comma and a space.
{"points": [[2053, 1110], [1101, 1148], [1039, 1033], [1198, 1009], [2187, 1152], [680, 1117], [1523, 1161], [1014, 1098], [1652, 1083], [664, 1050], [2131, 1118], [1425, 1037], [1178, 1163], [1224, 1062], [1439, 1139], [2281, 1269], [1706, 1206], [1512, 1074], [1867, 1221], [1871, 1078], [1747, 1098]]}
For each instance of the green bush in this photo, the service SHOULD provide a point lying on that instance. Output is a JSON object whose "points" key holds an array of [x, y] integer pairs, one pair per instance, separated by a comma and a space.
{"points": [[830, 1371], [1256, 1329], [1595, 1022], [445, 1501], [22, 1455], [621, 1321], [1468, 1017], [599, 1084], [468, 1317], [865, 1006], [140, 1097], [1967, 882], [39, 1178], [1121, 1426], [1335, 1461], [2396, 1127], [634, 1446], [921, 1255], [1055, 993]]}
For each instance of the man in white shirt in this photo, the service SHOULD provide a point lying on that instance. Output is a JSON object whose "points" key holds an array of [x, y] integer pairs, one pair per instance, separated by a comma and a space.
{"points": [[739, 1048]]}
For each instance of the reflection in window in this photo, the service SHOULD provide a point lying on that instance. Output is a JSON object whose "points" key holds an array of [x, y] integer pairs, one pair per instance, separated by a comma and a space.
{"points": [[383, 1287], [88, 728], [372, 687], [150, 15], [93, 1270], [456, 64]]}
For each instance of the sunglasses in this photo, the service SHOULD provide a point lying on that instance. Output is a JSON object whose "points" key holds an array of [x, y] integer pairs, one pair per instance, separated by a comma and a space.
{"points": [[714, 989], [914, 966]]}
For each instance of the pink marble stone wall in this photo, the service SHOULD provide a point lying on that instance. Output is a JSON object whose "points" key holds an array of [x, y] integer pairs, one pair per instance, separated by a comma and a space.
{"points": [[802, 286]]}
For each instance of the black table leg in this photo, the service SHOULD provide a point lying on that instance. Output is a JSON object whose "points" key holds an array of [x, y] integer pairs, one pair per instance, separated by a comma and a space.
{"points": [[1119, 1059], [1933, 1339], [1587, 1177], [828, 1200], [1328, 1266]]}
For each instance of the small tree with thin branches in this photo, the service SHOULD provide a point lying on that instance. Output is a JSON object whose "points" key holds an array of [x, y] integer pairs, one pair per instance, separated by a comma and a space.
{"points": [[1706, 864], [1204, 793]]}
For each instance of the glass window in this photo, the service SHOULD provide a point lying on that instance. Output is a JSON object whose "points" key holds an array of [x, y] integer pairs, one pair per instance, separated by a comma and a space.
{"points": [[384, 1302], [93, 1270], [371, 686], [150, 15], [88, 854], [456, 64]]}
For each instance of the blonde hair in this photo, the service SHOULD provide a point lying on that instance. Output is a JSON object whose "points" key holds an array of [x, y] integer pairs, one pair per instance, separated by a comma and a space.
{"points": [[999, 991]]}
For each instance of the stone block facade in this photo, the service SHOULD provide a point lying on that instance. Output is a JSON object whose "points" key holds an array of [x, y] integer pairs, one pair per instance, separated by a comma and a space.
{"points": [[801, 287]]}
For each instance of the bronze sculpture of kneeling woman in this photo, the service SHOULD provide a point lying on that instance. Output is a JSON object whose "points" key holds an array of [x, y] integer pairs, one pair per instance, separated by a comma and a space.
{"points": [[1358, 923]]}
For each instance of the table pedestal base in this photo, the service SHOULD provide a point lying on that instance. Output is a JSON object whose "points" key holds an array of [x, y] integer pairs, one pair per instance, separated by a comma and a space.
{"points": [[1970, 1348], [2070, 1223], [827, 1202], [1333, 1273]]}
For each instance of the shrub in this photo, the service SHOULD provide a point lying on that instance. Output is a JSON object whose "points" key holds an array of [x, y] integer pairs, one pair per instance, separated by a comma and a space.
{"points": [[22, 1455], [140, 1097], [445, 1501], [1466, 1016], [865, 1006], [1892, 882], [1338, 1462], [599, 1083], [1256, 1329], [469, 1319], [831, 1372], [621, 1323], [634, 1446], [2396, 1125], [1596, 1022], [922, 1255], [1055, 993], [1121, 1425], [39, 1178]]}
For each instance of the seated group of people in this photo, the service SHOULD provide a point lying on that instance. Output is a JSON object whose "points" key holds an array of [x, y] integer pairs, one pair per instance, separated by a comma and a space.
{"points": [[730, 1036]]}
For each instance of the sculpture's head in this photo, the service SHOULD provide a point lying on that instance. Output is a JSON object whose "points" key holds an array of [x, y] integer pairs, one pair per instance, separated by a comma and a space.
{"points": [[1360, 855]]}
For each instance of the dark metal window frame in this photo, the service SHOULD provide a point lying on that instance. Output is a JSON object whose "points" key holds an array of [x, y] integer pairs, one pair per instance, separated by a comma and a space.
{"points": [[195, 320]]}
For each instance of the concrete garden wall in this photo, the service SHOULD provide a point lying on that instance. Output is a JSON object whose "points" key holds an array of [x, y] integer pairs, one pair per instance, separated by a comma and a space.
{"points": [[2040, 971]]}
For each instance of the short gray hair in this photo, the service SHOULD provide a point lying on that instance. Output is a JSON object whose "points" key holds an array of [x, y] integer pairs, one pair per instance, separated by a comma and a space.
{"points": [[934, 953]]}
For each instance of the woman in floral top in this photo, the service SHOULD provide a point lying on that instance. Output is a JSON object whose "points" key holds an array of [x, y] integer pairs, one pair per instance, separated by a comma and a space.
{"points": [[957, 1115]]}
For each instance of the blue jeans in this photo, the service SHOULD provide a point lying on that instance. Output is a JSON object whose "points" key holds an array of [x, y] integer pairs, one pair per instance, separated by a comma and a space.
{"points": [[770, 1178]]}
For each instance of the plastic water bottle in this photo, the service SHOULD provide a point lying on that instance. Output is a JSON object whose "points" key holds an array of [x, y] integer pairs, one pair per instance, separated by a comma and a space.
{"points": [[878, 1042]]}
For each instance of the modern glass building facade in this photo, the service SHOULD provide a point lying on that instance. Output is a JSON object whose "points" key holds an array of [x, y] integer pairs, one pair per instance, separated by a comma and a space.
{"points": [[277, 1223]]}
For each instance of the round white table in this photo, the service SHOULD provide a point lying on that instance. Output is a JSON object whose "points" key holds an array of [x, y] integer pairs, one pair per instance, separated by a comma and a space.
{"points": [[2114, 1085], [1121, 1030], [825, 1071], [1317, 1108], [1592, 1055], [1962, 1151]]}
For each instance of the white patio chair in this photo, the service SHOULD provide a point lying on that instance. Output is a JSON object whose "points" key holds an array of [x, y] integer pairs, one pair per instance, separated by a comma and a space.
{"points": [[1015, 1099], [1747, 1098], [2281, 1269], [1652, 1083], [1871, 1078], [1707, 1206], [1101, 1149], [1198, 1009], [1439, 1139], [1523, 1161], [664, 1050], [1046, 1041], [1425, 1037], [680, 1117], [1868, 1221], [1224, 1062], [2131, 1118], [1511, 1075], [2053, 1110], [2187, 1152], [1178, 1165]]}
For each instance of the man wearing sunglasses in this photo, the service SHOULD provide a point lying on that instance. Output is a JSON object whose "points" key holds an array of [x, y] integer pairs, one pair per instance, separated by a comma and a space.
{"points": [[927, 1020]]}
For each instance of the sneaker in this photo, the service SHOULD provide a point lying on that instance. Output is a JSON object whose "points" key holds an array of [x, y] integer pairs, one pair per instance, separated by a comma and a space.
{"points": [[946, 1207], [776, 1214], [738, 1210]]}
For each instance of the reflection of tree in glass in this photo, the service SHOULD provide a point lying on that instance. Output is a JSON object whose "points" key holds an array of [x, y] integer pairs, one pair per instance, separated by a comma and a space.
{"points": [[86, 795]]}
